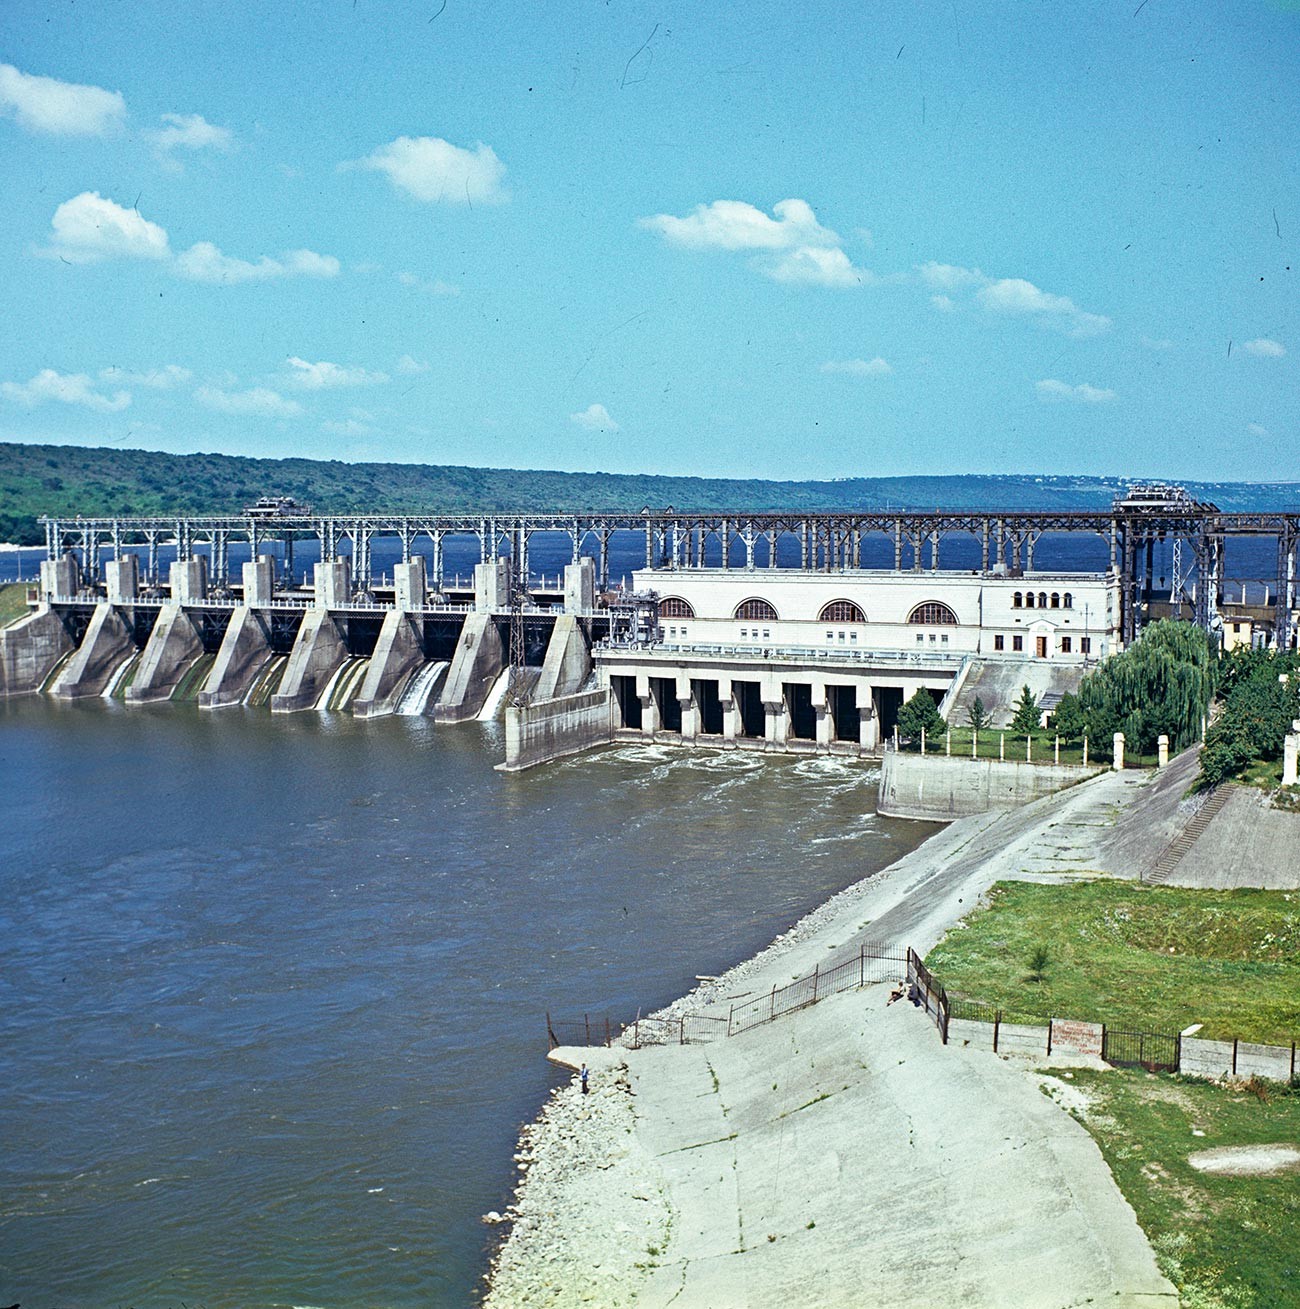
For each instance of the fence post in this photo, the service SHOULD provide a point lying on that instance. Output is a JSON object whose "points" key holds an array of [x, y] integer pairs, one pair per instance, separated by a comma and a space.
{"points": [[1103, 1044], [586, 1024], [607, 1040], [730, 1011], [1234, 1056], [997, 1023], [550, 1039], [816, 977], [1293, 1061], [1178, 1053], [862, 967], [682, 1039], [772, 1009], [1049, 1037]]}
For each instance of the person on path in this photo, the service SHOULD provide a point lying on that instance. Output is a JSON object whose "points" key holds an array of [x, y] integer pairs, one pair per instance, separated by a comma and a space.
{"points": [[583, 1075]]}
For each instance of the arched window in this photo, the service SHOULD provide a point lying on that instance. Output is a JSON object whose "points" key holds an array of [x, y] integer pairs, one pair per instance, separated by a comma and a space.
{"points": [[1029, 600], [933, 613], [755, 610], [1017, 601], [1042, 599], [1068, 601], [1056, 600], [673, 607], [841, 611]]}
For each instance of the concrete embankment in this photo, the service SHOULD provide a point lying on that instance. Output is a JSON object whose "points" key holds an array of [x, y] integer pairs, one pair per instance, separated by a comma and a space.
{"points": [[317, 655], [107, 643], [173, 645], [841, 1156], [941, 788], [245, 650]]}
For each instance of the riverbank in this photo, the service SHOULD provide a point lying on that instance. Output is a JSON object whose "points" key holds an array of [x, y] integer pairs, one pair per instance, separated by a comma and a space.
{"points": [[814, 1160]]}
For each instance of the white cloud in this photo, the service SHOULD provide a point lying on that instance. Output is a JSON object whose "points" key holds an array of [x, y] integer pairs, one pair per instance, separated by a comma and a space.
{"points": [[814, 266], [67, 388], [792, 246], [1264, 348], [949, 277], [43, 104], [409, 366], [90, 227], [1010, 296], [348, 427], [190, 132], [595, 418], [876, 367], [1014, 295], [204, 262], [436, 287], [437, 172], [1257, 429], [326, 376], [1050, 389], [156, 379], [735, 225], [258, 401]]}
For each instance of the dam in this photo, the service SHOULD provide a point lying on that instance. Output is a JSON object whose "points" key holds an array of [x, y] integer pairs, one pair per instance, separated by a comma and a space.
{"points": [[780, 632]]}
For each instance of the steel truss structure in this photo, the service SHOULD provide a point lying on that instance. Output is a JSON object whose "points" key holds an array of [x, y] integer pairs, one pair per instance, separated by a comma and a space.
{"points": [[684, 539]]}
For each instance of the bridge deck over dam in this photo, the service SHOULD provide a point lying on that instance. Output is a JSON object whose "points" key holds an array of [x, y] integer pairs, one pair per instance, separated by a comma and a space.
{"points": [[779, 630]]}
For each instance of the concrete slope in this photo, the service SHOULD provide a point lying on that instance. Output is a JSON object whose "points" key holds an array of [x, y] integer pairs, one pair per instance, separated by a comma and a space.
{"points": [[1248, 843], [173, 645], [825, 1190], [997, 683]]}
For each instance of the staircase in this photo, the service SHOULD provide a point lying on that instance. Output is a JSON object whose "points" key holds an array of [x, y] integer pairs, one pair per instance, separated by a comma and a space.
{"points": [[1173, 853]]}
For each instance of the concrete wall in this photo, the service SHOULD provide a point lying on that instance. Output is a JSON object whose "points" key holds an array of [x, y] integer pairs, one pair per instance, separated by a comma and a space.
{"points": [[939, 788], [245, 648], [568, 659], [580, 587], [107, 643], [259, 581], [332, 584], [551, 729], [189, 580], [1215, 1059], [410, 590], [317, 654], [29, 649], [397, 652], [60, 578], [173, 645], [476, 664]]}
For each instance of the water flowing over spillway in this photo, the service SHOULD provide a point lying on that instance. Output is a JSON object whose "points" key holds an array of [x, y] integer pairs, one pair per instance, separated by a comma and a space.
{"points": [[415, 698], [492, 705]]}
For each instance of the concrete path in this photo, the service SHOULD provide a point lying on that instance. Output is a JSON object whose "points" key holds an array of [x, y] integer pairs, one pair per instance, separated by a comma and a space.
{"points": [[846, 1158]]}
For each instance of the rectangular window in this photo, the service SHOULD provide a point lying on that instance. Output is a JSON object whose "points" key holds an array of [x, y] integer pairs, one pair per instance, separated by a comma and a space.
{"points": [[830, 636], [999, 643], [744, 633], [1017, 642], [1085, 645], [853, 636], [920, 638], [1065, 645], [766, 634], [943, 640], [841, 638]]}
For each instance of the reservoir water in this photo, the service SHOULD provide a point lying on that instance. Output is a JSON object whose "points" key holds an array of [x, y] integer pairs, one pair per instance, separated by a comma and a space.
{"points": [[273, 992]]}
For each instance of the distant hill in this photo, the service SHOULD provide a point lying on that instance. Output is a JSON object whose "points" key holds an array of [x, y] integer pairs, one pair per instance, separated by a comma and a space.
{"points": [[60, 479]]}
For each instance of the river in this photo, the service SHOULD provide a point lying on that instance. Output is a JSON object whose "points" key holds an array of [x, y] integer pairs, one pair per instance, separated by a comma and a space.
{"points": [[273, 995]]}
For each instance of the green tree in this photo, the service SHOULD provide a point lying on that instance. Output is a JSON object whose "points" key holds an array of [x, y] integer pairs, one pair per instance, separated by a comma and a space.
{"points": [[920, 712], [1069, 719], [1256, 715], [1160, 685], [977, 716], [1028, 716]]}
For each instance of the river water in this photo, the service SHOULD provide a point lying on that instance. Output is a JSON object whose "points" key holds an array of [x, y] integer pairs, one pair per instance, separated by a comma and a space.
{"points": [[273, 993]]}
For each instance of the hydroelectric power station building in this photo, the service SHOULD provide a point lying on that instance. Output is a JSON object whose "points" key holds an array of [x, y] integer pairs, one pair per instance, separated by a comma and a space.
{"points": [[769, 631]]}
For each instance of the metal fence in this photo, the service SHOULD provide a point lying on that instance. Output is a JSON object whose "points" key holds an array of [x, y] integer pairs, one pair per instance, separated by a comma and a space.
{"points": [[1154, 1051], [872, 963]]}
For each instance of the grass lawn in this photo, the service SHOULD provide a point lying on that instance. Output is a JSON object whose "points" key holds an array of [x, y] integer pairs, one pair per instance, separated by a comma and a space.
{"points": [[13, 602], [1002, 743], [1151, 958], [1224, 1241]]}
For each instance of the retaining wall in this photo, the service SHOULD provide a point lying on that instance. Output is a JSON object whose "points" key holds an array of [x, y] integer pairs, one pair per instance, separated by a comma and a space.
{"points": [[943, 787], [551, 729], [29, 649]]}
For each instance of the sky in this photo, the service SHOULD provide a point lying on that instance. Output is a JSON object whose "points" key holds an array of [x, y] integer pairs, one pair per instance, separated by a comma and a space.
{"points": [[753, 240]]}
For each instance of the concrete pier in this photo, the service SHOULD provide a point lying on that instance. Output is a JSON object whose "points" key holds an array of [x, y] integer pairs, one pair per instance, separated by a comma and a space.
{"points": [[60, 578], [244, 652], [316, 656], [259, 582], [476, 664], [108, 641], [173, 645], [568, 659], [189, 580], [550, 729], [122, 580], [398, 653], [29, 650]]}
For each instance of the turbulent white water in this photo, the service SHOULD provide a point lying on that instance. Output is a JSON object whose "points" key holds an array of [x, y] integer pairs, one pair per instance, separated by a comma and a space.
{"points": [[415, 698], [274, 666], [119, 675], [492, 705], [344, 686]]}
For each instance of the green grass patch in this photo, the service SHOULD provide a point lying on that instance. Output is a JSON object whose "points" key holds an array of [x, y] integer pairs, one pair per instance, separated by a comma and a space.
{"points": [[1151, 958], [13, 602], [1041, 748], [1224, 1241]]}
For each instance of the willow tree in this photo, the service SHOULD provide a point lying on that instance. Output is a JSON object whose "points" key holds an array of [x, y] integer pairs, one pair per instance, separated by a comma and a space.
{"points": [[1161, 685]]}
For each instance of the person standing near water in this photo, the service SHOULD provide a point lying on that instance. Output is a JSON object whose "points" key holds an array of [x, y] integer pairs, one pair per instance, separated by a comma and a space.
{"points": [[583, 1076]]}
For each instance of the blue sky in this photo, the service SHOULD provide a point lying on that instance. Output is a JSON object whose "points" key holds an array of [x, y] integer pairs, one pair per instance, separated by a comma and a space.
{"points": [[768, 240]]}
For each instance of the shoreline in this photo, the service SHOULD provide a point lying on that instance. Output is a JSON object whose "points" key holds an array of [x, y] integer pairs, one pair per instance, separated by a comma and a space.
{"points": [[597, 1215]]}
